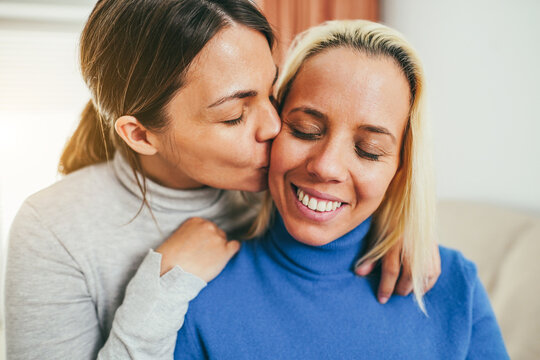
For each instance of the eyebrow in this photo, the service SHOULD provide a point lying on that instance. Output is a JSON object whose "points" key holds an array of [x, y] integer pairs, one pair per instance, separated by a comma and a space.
{"points": [[241, 94], [319, 115], [310, 111], [378, 130]]}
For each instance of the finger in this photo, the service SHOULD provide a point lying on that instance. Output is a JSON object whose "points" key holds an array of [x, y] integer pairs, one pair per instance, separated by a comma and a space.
{"points": [[365, 268], [233, 246], [219, 231], [405, 283], [435, 271], [391, 264], [430, 283]]}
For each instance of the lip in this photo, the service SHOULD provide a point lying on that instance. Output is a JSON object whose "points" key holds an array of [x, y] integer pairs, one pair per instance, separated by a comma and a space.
{"points": [[313, 215], [317, 194]]}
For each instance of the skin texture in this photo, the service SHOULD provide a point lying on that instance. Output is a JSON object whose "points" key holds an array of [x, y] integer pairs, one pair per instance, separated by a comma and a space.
{"points": [[328, 143], [202, 147], [201, 247], [212, 142], [224, 145]]}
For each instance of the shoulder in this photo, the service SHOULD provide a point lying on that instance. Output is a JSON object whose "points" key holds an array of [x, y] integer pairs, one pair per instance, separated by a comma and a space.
{"points": [[236, 282], [455, 264], [76, 190], [71, 205], [457, 281]]}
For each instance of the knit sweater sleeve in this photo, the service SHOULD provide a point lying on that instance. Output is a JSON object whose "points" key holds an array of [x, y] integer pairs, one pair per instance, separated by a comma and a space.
{"points": [[486, 338], [50, 313]]}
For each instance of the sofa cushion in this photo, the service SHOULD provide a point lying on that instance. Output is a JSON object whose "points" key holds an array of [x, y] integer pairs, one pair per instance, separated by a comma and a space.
{"points": [[505, 245]]}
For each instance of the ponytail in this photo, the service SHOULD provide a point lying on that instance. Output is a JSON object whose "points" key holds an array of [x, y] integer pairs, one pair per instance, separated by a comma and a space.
{"points": [[90, 143]]}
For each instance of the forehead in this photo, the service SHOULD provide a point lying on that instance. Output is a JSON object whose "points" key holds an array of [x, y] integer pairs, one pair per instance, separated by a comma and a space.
{"points": [[235, 57], [351, 86]]}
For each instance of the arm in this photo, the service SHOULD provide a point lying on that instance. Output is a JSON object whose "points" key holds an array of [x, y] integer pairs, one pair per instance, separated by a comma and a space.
{"points": [[147, 323], [486, 338], [50, 312]]}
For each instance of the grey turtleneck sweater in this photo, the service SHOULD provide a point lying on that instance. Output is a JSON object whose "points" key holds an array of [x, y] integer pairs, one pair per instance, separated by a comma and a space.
{"points": [[82, 281]]}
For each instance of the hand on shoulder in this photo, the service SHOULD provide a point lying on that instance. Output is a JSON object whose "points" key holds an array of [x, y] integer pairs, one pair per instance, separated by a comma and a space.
{"points": [[199, 247]]}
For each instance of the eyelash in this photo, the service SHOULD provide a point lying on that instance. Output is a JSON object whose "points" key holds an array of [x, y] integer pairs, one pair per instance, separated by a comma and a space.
{"points": [[363, 154], [366, 155], [304, 136], [239, 119], [234, 121]]}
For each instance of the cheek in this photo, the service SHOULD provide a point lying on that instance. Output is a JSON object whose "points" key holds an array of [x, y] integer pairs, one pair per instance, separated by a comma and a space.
{"points": [[226, 146], [285, 158], [287, 154], [278, 165], [373, 181]]}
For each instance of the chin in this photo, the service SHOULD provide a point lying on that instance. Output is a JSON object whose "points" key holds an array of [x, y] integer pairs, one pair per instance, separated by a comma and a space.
{"points": [[310, 234], [256, 186]]}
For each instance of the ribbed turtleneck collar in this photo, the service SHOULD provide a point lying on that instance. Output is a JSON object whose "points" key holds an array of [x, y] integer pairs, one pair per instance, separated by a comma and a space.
{"points": [[163, 198], [334, 258]]}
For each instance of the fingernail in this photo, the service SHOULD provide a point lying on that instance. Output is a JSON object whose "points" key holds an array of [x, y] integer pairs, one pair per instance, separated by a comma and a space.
{"points": [[360, 271], [383, 299]]}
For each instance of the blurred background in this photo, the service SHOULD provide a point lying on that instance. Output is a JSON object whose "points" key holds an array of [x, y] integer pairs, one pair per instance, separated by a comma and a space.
{"points": [[481, 61]]}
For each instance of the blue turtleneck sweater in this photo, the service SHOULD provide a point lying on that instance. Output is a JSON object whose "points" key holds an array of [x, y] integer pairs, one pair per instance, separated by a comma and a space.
{"points": [[281, 299]]}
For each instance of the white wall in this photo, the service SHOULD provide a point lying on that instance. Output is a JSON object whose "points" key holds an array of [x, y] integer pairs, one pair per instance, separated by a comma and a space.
{"points": [[482, 62], [41, 97]]}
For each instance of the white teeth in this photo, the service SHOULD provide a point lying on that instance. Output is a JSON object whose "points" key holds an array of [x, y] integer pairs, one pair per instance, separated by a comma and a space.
{"points": [[318, 205], [312, 204], [301, 195], [329, 206]]}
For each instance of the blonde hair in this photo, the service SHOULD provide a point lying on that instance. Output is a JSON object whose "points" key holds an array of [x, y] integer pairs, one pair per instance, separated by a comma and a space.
{"points": [[408, 208]]}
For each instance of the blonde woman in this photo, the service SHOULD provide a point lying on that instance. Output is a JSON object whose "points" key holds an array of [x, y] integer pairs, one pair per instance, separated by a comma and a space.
{"points": [[349, 171], [104, 262]]}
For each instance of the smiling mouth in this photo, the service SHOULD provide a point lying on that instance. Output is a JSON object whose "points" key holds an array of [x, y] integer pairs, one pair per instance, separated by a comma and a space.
{"points": [[316, 204]]}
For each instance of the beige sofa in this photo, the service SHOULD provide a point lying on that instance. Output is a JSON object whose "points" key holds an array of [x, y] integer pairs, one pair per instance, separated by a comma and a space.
{"points": [[505, 245]]}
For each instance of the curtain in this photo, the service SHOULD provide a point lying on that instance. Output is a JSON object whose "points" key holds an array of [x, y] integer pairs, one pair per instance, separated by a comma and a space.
{"points": [[289, 17]]}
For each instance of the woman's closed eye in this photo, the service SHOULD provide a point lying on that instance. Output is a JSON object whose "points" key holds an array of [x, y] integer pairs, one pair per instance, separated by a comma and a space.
{"points": [[308, 132], [369, 152], [239, 119], [235, 121], [366, 155]]}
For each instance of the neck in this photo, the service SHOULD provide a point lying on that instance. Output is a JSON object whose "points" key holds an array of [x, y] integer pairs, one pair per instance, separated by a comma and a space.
{"points": [[161, 197], [334, 258], [162, 172]]}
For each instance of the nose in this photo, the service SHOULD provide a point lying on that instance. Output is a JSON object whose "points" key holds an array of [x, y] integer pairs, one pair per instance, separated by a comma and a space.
{"points": [[327, 162], [269, 123]]}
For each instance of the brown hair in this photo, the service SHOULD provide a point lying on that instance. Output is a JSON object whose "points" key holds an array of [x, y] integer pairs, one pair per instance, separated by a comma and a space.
{"points": [[134, 56]]}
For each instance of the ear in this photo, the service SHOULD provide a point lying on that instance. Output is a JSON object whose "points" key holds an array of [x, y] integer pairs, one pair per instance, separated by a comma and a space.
{"points": [[136, 135]]}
